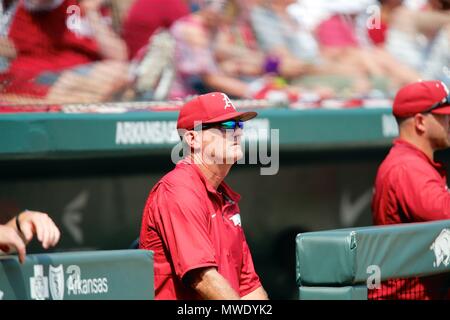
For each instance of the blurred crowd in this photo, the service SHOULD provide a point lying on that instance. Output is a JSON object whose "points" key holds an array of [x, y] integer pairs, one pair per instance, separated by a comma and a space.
{"points": [[84, 51]]}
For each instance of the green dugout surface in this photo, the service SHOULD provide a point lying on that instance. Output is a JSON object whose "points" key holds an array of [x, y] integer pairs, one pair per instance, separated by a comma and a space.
{"points": [[85, 275], [350, 257]]}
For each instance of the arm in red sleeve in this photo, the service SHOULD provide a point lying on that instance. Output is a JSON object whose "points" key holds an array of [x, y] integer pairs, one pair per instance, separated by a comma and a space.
{"points": [[423, 194], [182, 222], [249, 280]]}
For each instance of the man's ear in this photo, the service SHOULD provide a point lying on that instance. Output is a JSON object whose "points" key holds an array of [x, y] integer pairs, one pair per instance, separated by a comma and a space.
{"points": [[419, 122], [192, 139]]}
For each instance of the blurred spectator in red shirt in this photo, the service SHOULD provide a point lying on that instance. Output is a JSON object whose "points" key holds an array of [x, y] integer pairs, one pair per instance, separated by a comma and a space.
{"points": [[65, 52], [378, 35], [344, 33], [146, 16]]}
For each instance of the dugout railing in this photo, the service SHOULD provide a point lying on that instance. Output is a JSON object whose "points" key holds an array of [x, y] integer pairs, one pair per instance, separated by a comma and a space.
{"points": [[347, 264]]}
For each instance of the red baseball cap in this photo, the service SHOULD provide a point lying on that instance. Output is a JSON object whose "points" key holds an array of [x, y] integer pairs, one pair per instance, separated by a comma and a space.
{"points": [[421, 96], [210, 108]]}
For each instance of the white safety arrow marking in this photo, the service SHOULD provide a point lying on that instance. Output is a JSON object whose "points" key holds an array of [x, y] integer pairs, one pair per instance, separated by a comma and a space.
{"points": [[72, 216]]}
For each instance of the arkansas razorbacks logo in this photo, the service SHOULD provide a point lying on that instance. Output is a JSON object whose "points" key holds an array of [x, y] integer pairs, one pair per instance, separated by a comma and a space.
{"points": [[236, 218], [441, 248], [228, 103]]}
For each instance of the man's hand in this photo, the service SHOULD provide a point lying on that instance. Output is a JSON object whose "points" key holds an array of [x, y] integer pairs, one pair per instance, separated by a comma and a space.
{"points": [[39, 223], [10, 239], [258, 294], [211, 285], [36, 223], [31, 223]]}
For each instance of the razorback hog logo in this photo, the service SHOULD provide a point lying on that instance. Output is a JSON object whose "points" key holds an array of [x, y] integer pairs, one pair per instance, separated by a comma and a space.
{"points": [[441, 248]]}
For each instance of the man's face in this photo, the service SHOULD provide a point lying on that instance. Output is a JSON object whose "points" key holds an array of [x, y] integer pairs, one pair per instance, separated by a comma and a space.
{"points": [[220, 146], [438, 130]]}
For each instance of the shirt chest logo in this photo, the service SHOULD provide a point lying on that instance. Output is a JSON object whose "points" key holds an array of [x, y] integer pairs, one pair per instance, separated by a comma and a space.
{"points": [[236, 219]]}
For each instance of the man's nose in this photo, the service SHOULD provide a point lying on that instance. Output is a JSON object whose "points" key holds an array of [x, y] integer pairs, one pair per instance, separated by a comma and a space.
{"points": [[238, 132]]}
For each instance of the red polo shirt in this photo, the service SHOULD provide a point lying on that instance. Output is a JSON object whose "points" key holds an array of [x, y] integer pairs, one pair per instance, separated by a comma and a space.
{"points": [[189, 225], [410, 187]]}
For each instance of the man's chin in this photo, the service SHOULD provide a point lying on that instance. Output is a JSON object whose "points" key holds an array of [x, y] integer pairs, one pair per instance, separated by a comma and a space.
{"points": [[235, 158], [232, 159]]}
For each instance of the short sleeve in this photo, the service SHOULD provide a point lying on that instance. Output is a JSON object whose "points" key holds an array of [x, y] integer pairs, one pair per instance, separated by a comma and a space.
{"points": [[249, 280], [182, 222]]}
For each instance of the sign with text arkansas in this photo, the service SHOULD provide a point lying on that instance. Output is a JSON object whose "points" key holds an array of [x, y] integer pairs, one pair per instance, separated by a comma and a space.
{"points": [[165, 132], [79, 275], [59, 283]]}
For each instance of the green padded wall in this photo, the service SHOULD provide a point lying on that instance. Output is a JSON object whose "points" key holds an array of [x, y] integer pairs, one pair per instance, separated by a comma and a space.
{"points": [[333, 293], [342, 257], [86, 275]]}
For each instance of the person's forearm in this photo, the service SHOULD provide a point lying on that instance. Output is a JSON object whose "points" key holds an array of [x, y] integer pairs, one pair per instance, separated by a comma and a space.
{"points": [[430, 22], [110, 45], [258, 294], [230, 86], [211, 285], [290, 66]]}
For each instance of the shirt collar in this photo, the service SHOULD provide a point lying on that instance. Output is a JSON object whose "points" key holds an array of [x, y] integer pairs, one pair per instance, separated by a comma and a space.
{"points": [[405, 144], [228, 193]]}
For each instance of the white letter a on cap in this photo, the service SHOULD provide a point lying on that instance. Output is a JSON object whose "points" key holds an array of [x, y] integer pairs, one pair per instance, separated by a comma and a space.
{"points": [[228, 103]]}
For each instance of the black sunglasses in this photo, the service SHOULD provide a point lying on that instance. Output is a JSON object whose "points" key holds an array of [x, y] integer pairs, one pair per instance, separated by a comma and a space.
{"points": [[440, 104]]}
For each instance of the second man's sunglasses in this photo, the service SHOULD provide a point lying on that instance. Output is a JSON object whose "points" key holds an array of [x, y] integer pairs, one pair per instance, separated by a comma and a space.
{"points": [[439, 104]]}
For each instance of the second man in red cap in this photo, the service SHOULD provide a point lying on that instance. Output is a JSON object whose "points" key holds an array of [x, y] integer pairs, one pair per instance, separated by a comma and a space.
{"points": [[410, 185]]}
